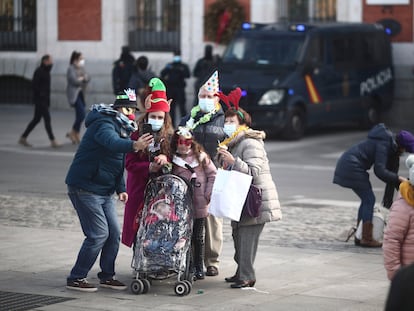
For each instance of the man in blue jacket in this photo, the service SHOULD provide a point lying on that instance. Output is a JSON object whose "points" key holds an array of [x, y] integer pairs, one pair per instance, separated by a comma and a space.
{"points": [[94, 175]]}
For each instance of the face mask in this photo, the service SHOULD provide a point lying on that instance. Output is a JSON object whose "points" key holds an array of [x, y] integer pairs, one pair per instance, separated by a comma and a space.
{"points": [[81, 63], [206, 104], [177, 59], [48, 67], [156, 124], [229, 129]]}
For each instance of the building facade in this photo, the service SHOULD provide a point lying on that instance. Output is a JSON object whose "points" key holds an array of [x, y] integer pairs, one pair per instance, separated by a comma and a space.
{"points": [[157, 28]]}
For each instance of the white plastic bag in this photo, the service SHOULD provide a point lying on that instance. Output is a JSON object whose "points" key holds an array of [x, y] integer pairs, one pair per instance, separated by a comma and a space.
{"points": [[378, 223], [229, 194]]}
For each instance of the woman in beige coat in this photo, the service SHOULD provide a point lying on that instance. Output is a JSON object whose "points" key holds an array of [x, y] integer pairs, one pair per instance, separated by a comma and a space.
{"points": [[398, 244], [244, 151]]}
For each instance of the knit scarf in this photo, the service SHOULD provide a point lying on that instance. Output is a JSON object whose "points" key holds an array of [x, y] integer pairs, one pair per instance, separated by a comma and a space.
{"points": [[127, 126], [407, 192], [240, 129], [393, 164]]}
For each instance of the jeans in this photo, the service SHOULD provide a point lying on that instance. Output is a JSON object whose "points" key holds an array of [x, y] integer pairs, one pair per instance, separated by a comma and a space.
{"points": [[99, 221], [366, 209], [80, 112]]}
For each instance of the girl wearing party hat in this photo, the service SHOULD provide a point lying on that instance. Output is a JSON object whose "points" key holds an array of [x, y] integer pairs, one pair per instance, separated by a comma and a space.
{"points": [[140, 165]]}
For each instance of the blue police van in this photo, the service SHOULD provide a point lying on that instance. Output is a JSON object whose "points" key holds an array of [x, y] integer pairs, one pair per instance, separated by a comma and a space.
{"points": [[295, 76]]}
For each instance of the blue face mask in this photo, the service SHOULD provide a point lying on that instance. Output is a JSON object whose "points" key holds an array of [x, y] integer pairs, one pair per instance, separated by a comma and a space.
{"points": [[156, 124], [229, 129], [177, 59], [206, 104]]}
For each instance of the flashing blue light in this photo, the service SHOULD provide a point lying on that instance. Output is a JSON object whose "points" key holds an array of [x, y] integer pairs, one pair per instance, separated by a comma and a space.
{"points": [[300, 27], [244, 93], [291, 91], [388, 31], [246, 26]]}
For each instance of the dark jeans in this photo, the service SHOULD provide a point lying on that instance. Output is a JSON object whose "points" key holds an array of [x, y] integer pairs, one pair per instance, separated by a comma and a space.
{"points": [[41, 111], [366, 209], [99, 221], [80, 112], [178, 100]]}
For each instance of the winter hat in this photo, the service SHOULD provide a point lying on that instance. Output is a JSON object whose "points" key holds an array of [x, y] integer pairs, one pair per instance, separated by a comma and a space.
{"points": [[212, 84], [157, 100], [125, 99], [409, 162], [406, 140]]}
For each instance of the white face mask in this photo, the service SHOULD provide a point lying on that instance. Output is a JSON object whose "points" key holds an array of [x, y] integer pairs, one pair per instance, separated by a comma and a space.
{"points": [[229, 129], [81, 63], [156, 124], [207, 104]]}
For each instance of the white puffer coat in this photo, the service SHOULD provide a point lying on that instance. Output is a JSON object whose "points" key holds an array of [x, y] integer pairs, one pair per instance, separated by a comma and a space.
{"points": [[398, 244], [248, 150]]}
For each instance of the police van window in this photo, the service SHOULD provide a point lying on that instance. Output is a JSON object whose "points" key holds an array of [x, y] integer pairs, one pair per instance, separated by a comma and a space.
{"points": [[315, 52], [344, 51], [374, 49]]}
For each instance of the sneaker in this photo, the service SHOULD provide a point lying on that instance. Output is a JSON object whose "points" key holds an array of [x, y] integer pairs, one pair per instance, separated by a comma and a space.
{"points": [[81, 285], [113, 284]]}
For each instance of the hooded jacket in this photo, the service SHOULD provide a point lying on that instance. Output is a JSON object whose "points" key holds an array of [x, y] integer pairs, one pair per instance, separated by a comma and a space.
{"points": [[98, 165], [250, 158], [375, 150], [398, 244]]}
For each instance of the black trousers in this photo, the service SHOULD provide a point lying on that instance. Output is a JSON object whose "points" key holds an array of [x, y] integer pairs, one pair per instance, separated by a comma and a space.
{"points": [[198, 243], [41, 111]]}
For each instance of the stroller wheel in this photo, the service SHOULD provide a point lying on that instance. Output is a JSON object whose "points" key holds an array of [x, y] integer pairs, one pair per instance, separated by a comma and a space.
{"points": [[137, 287], [147, 286], [181, 288], [190, 286]]}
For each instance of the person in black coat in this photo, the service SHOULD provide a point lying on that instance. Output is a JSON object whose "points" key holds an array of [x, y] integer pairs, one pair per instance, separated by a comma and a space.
{"points": [[41, 101], [381, 149], [122, 70], [174, 75], [401, 293]]}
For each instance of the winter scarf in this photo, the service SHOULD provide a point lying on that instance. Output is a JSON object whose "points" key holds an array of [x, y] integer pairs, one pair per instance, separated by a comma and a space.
{"points": [[407, 192], [127, 126]]}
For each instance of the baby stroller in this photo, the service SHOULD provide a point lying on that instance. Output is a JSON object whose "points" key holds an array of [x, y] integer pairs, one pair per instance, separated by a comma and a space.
{"points": [[163, 243]]}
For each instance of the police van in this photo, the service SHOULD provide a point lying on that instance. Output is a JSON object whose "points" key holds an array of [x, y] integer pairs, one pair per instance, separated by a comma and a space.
{"points": [[295, 76]]}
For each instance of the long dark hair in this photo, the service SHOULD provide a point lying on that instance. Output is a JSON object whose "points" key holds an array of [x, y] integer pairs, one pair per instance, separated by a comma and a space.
{"points": [[74, 57], [163, 135]]}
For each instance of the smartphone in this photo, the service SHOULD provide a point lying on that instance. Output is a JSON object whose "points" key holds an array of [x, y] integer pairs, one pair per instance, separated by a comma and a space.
{"points": [[146, 128]]}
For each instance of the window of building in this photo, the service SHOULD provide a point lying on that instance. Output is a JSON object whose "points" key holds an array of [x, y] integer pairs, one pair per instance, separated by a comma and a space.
{"points": [[307, 10], [18, 25], [154, 25]]}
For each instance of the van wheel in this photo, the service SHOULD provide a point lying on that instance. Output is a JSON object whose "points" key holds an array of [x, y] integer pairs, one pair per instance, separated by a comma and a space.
{"points": [[295, 125]]}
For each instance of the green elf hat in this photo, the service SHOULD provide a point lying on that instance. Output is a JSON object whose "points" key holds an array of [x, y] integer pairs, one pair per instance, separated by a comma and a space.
{"points": [[157, 100]]}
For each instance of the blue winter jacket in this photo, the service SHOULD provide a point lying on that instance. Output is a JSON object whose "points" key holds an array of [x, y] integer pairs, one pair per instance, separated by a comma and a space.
{"points": [[98, 165], [351, 169]]}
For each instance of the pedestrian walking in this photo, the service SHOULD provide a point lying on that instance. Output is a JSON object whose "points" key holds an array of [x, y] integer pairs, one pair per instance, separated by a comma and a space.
{"points": [[206, 120], [398, 244], [139, 80], [122, 70], [95, 174], [204, 67], [41, 101], [381, 149], [77, 81], [149, 162], [174, 75], [243, 150], [188, 153]]}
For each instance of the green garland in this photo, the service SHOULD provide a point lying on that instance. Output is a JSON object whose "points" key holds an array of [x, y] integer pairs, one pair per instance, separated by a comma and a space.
{"points": [[212, 17]]}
